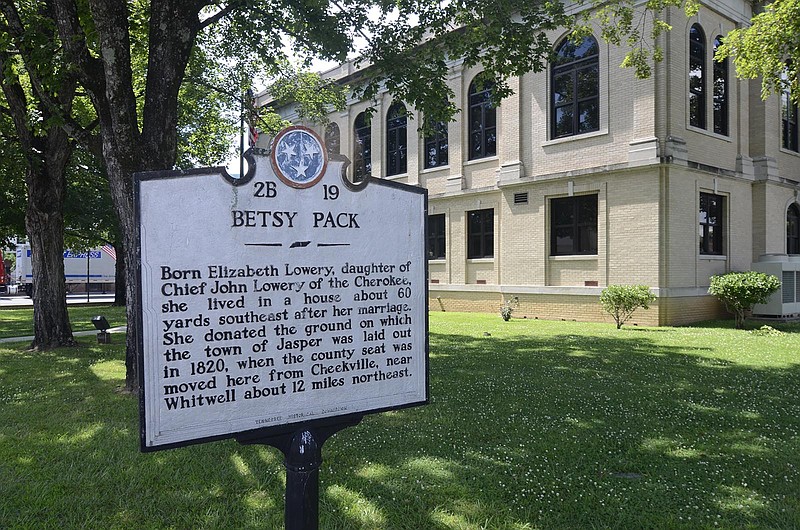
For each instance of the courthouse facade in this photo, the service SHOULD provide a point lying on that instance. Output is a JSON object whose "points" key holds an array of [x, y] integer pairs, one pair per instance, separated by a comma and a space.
{"points": [[588, 177]]}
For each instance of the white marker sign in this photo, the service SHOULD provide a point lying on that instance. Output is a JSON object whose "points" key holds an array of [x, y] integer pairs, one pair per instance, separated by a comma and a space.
{"points": [[290, 297]]}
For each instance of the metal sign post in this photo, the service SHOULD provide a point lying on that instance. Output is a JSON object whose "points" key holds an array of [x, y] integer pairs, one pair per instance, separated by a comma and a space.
{"points": [[302, 451]]}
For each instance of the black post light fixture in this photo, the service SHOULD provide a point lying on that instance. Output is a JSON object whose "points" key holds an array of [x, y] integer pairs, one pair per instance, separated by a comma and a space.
{"points": [[101, 324]]}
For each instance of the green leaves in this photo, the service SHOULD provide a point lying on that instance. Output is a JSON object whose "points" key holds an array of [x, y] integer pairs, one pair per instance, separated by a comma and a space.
{"points": [[740, 291], [620, 301], [625, 23], [769, 48]]}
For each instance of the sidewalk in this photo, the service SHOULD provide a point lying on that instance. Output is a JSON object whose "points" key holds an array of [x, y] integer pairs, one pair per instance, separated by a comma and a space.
{"points": [[119, 329], [17, 301]]}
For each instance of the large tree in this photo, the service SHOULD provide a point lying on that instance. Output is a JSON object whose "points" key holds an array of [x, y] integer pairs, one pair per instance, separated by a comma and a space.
{"points": [[37, 96]]}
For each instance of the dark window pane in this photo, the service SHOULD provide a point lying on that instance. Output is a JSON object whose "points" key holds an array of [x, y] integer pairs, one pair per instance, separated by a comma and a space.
{"points": [[562, 89], [696, 110], [491, 143], [563, 213], [587, 239], [563, 121], [588, 82], [589, 118]]}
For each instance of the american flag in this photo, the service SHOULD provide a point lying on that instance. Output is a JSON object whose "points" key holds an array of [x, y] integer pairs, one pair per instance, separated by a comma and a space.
{"points": [[110, 250]]}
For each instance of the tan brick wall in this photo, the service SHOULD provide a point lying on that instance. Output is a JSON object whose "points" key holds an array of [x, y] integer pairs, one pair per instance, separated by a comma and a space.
{"points": [[687, 310], [704, 145], [665, 312]]}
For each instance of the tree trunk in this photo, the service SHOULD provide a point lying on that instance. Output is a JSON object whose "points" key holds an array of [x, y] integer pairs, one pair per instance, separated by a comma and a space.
{"points": [[44, 223], [120, 295], [51, 327]]}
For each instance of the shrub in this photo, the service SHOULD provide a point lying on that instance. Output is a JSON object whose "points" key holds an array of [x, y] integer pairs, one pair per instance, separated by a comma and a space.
{"points": [[508, 307], [740, 291], [620, 301]]}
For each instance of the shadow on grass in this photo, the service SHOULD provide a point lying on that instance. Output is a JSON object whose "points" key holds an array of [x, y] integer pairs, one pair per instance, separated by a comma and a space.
{"points": [[550, 431]]}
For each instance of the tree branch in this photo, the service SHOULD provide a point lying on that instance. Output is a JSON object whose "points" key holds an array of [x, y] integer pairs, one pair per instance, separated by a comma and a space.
{"points": [[222, 13]]}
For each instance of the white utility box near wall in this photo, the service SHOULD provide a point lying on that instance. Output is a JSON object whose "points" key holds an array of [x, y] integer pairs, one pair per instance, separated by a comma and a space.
{"points": [[785, 302]]}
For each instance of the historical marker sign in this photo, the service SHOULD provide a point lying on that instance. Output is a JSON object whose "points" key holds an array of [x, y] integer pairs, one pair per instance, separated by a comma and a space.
{"points": [[286, 297]]}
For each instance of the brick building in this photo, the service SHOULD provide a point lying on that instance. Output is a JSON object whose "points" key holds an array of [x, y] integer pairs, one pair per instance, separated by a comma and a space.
{"points": [[587, 177]]}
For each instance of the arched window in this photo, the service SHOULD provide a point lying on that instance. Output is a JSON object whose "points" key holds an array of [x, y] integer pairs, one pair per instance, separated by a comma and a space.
{"points": [[697, 77], [575, 88], [788, 118], [332, 139], [793, 230], [720, 92], [396, 139], [362, 155], [482, 120]]}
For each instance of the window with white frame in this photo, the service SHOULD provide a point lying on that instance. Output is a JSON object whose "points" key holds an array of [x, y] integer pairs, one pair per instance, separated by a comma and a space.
{"points": [[575, 88], [482, 118], [480, 233], [697, 77], [711, 224], [573, 225]]}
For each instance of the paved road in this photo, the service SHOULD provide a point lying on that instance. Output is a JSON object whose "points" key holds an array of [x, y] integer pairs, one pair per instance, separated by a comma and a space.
{"points": [[18, 300]]}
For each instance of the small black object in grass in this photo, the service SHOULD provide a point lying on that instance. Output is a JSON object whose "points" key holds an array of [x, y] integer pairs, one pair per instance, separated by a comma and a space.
{"points": [[102, 325], [631, 476], [487, 334]]}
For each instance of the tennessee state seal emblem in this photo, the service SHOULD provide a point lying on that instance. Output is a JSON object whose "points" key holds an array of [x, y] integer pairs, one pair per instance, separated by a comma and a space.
{"points": [[299, 157]]}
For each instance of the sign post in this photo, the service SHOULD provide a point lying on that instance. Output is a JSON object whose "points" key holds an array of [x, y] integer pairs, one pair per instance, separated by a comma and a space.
{"points": [[279, 307]]}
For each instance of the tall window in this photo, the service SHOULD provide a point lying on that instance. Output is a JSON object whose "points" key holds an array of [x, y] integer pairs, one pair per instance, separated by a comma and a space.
{"points": [[793, 230], [332, 139], [573, 225], [436, 146], [482, 120], [720, 92], [575, 88], [480, 233], [396, 139], [697, 78], [711, 226], [362, 156], [436, 237], [788, 118]]}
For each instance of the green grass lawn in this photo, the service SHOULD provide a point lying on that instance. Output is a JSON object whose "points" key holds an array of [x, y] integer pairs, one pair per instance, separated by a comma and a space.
{"points": [[535, 425], [19, 322]]}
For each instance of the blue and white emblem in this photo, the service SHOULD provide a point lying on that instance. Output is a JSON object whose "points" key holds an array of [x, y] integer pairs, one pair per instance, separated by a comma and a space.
{"points": [[299, 157]]}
